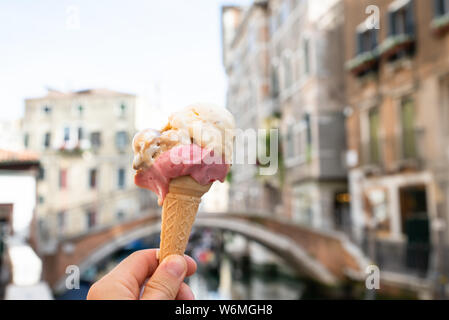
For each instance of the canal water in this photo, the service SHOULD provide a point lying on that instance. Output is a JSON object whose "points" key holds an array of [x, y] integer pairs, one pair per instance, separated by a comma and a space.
{"points": [[229, 267]]}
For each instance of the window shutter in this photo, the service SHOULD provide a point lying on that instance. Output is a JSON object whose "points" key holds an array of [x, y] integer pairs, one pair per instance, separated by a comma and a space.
{"points": [[374, 34], [359, 47], [391, 24], [438, 8], [410, 18], [308, 129]]}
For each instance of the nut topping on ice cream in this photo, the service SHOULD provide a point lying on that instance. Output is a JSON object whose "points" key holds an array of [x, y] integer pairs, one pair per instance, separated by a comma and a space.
{"points": [[148, 144], [206, 125], [209, 126]]}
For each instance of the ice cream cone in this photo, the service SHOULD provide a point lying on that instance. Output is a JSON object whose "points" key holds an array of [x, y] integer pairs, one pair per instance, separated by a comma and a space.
{"points": [[178, 214]]}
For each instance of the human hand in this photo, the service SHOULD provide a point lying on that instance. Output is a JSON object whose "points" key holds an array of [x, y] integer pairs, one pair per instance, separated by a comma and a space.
{"points": [[127, 281]]}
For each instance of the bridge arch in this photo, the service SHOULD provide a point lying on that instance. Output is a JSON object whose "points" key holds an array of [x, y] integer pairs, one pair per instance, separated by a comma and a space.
{"points": [[299, 257]]}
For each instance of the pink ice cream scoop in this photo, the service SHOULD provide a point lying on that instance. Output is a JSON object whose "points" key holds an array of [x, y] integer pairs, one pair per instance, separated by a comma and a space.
{"points": [[182, 160]]}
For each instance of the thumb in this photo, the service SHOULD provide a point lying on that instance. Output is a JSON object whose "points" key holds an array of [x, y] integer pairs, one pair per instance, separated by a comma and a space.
{"points": [[165, 282]]}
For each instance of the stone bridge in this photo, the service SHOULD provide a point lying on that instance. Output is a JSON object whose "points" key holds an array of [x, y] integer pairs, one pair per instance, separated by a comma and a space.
{"points": [[326, 257]]}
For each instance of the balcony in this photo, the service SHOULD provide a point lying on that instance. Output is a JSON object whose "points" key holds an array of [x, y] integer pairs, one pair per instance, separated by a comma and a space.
{"points": [[396, 45], [440, 25], [400, 257], [363, 63], [404, 151], [70, 151]]}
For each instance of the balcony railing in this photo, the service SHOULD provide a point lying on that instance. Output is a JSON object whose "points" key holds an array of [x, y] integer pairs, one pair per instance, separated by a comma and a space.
{"points": [[404, 150], [400, 257], [363, 63], [440, 25], [394, 45]]}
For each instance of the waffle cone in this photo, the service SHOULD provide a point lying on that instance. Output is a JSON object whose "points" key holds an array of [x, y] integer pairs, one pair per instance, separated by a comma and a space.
{"points": [[178, 214]]}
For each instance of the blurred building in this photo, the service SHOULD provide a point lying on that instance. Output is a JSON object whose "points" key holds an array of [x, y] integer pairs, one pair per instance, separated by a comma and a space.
{"points": [[245, 58], [86, 178], [18, 192], [284, 60], [307, 79], [10, 135], [397, 129], [216, 199]]}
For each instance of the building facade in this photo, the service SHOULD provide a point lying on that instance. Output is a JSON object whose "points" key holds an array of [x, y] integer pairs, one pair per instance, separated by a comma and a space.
{"points": [[306, 59], [18, 192], [295, 84], [397, 120], [86, 178], [245, 58]]}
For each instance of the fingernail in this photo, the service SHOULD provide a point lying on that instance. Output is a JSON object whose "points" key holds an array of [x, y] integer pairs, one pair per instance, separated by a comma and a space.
{"points": [[175, 265]]}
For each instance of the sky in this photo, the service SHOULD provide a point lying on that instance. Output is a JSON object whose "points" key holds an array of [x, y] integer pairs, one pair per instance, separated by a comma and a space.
{"points": [[166, 52]]}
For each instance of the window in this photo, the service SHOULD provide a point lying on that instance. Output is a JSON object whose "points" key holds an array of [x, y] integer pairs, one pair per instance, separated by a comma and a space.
{"points": [[91, 217], [287, 70], [274, 83], [47, 140], [441, 7], [366, 40], [401, 19], [122, 110], [120, 215], [306, 56], [93, 178], [121, 178], [290, 142], [408, 128], [80, 134], [95, 139], [46, 110], [61, 220], [26, 140], [299, 140], [41, 173], [66, 134], [80, 110], [374, 143], [307, 125], [121, 140], [63, 179]]}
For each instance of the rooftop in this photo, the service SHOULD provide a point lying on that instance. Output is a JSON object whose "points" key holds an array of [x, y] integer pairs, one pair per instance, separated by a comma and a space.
{"points": [[85, 92], [9, 157]]}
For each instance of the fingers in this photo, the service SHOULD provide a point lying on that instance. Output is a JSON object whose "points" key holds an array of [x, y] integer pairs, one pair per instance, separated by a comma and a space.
{"points": [[185, 293], [191, 266], [166, 281], [139, 265], [127, 278]]}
